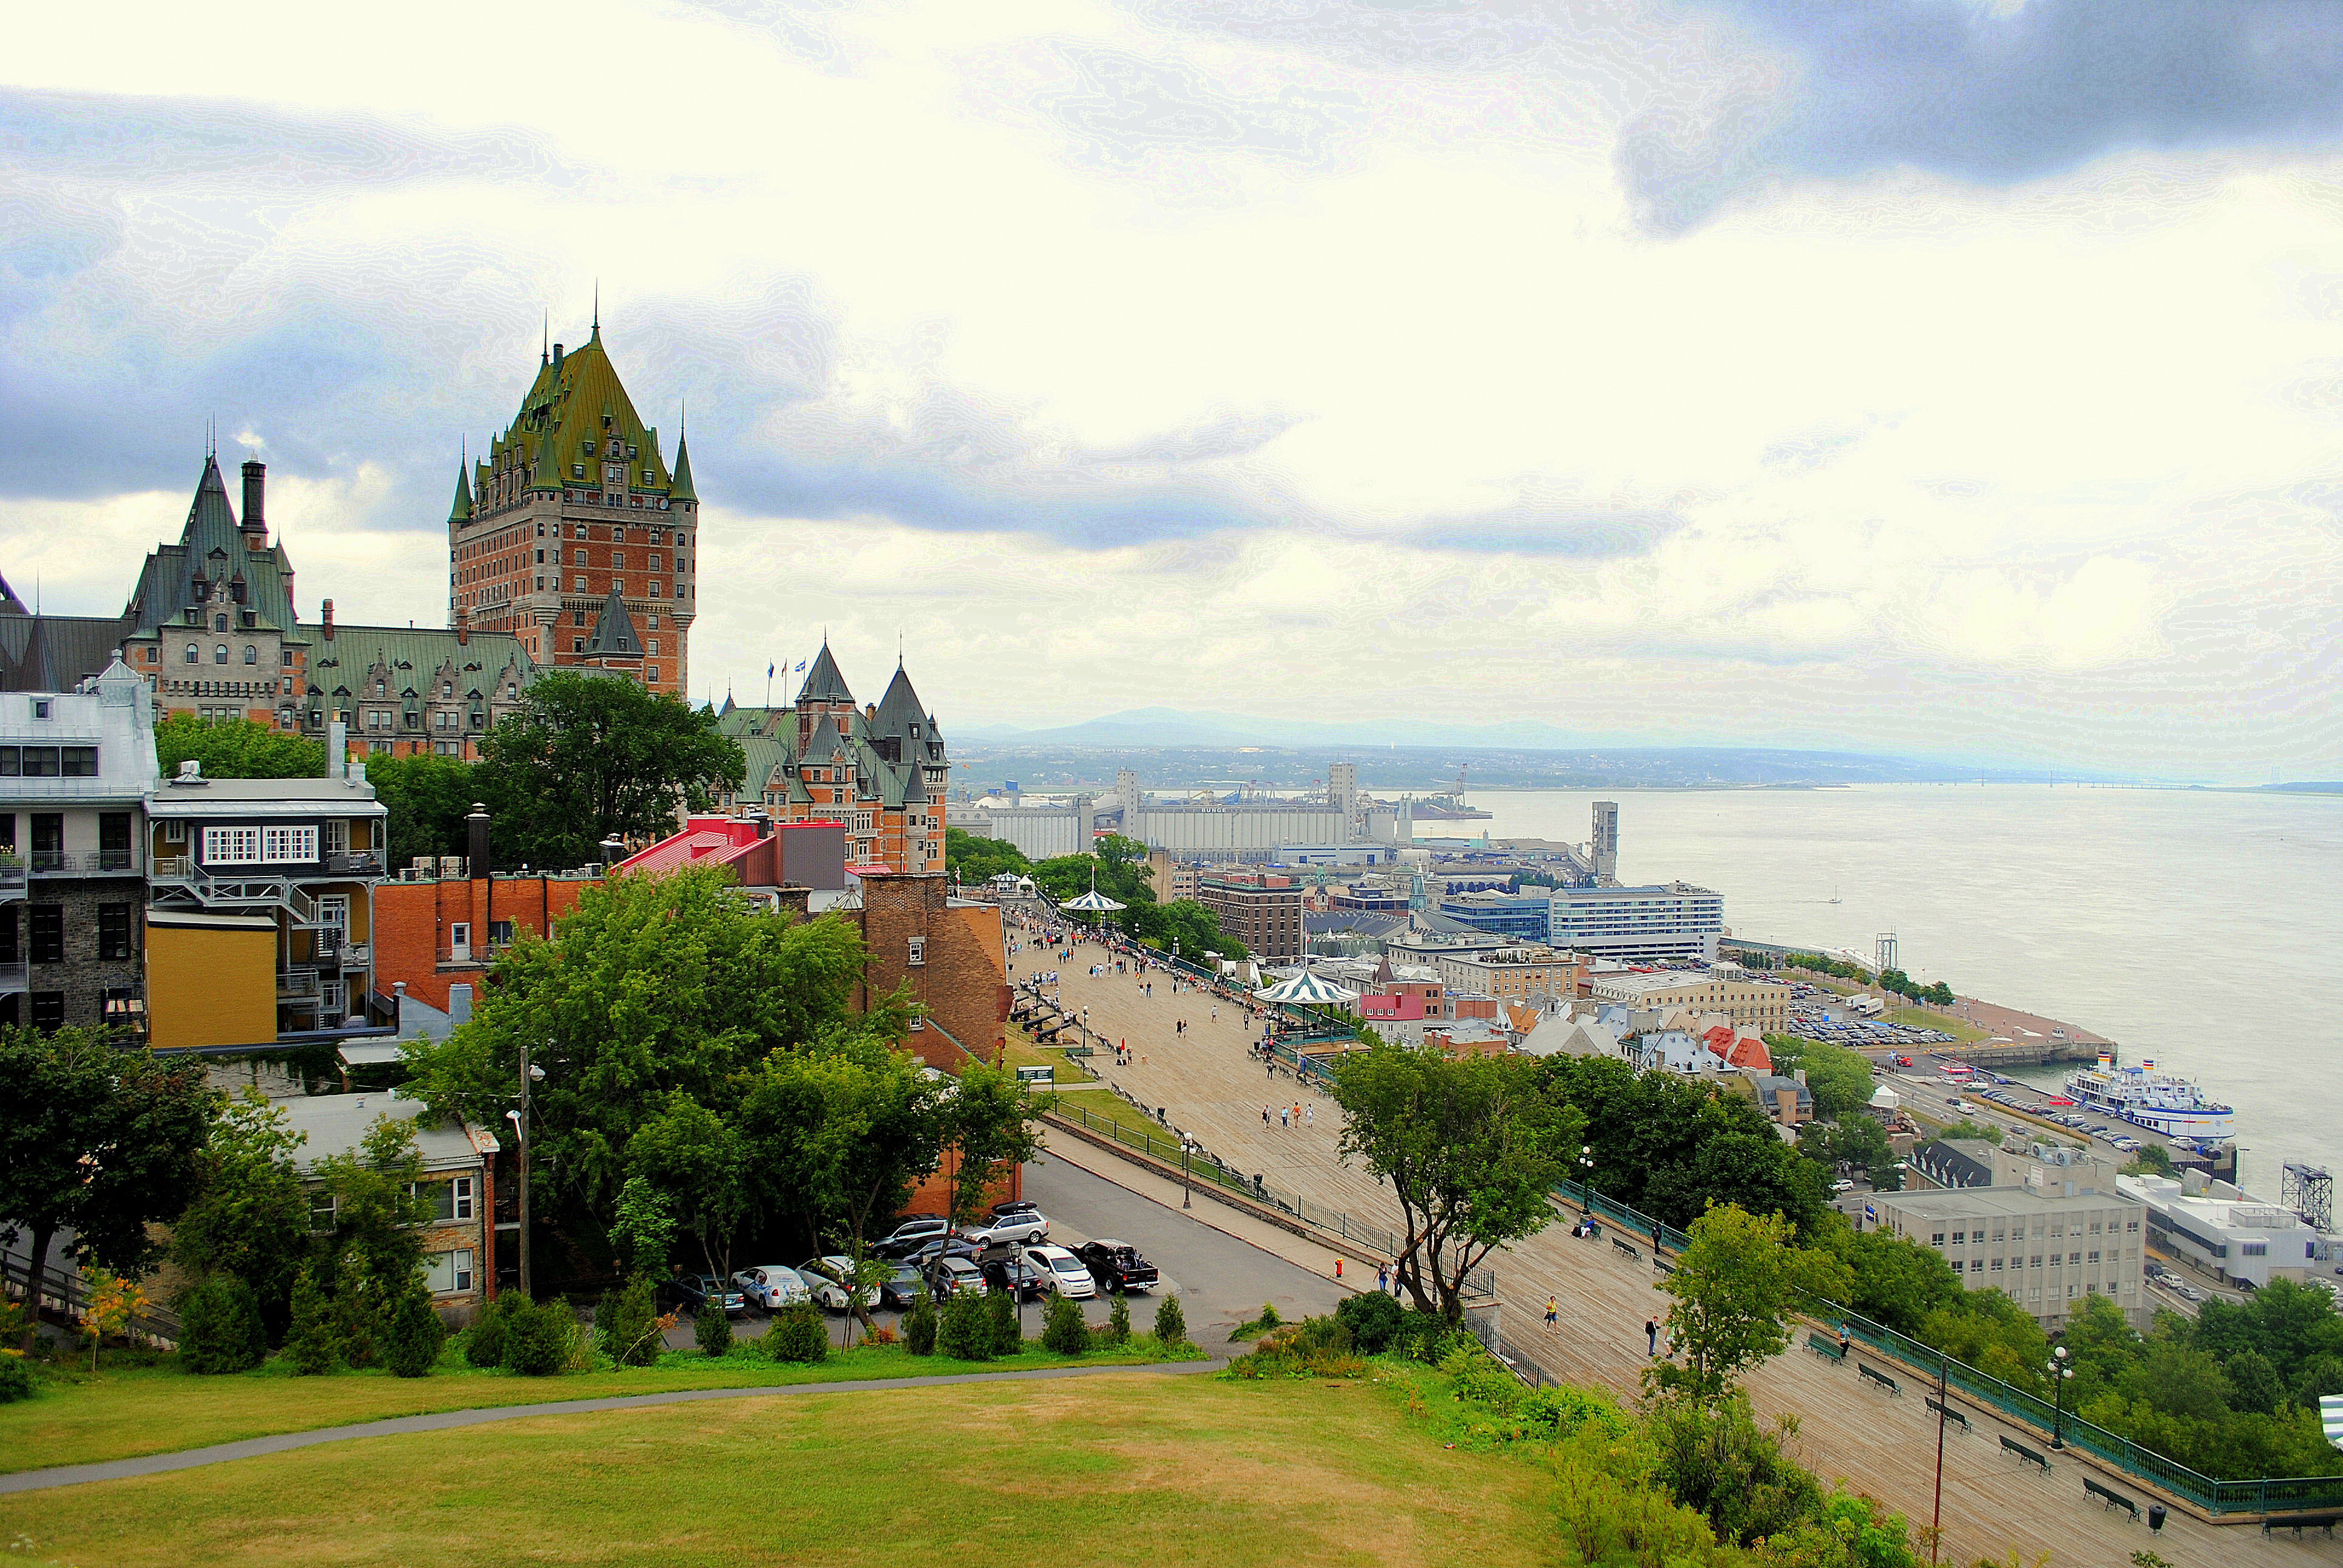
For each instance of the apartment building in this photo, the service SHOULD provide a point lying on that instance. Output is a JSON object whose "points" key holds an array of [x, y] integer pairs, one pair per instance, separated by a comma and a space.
{"points": [[1512, 974], [1262, 910], [1750, 1001], [1670, 921], [75, 769]]}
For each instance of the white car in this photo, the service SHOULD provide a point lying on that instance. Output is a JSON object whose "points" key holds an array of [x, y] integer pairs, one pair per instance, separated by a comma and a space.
{"points": [[1067, 1275], [1019, 1230], [770, 1287], [826, 1277]]}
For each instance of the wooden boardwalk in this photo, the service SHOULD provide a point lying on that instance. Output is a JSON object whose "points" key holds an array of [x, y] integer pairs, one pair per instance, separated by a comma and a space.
{"points": [[1210, 1088]]}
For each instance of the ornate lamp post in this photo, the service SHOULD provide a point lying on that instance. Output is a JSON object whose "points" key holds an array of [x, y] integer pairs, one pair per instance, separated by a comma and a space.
{"points": [[519, 1119], [1586, 1181], [2060, 1373]]}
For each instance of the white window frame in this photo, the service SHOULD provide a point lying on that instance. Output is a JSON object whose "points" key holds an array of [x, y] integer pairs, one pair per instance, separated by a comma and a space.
{"points": [[231, 846], [449, 1273], [288, 845]]}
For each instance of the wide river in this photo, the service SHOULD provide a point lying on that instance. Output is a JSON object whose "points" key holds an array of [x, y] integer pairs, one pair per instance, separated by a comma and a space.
{"points": [[2199, 930]]}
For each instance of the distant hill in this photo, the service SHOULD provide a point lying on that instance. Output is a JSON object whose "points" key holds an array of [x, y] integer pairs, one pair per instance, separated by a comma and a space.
{"points": [[1159, 727]]}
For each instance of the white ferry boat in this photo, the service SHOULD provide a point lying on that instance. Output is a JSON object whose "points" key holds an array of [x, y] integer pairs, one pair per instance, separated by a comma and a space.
{"points": [[2145, 1098]]}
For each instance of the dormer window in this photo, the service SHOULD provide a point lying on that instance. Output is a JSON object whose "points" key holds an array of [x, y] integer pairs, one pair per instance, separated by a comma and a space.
{"points": [[219, 623], [447, 688]]}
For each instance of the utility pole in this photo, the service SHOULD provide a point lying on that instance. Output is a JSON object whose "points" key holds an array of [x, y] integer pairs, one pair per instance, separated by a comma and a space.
{"points": [[519, 1119]]}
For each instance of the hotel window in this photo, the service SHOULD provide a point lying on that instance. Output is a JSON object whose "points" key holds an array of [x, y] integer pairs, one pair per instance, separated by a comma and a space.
{"points": [[653, 673], [577, 585], [219, 653]]}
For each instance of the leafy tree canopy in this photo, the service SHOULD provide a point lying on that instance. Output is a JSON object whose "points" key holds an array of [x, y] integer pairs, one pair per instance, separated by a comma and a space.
{"points": [[1839, 1077], [428, 798], [586, 757], [974, 859], [236, 749], [1735, 1286]]}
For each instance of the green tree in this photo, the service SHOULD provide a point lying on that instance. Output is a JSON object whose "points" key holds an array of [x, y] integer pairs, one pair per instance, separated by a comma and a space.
{"points": [[965, 1333], [309, 1343], [652, 985], [1063, 1330], [428, 796], [379, 1210], [96, 1138], [537, 1338], [484, 1343], [798, 1335], [1896, 1281], [989, 1127], [644, 1230], [1000, 1317], [701, 1162], [236, 749], [1171, 1323], [1471, 1147], [588, 757], [412, 1333], [971, 859], [249, 1215], [919, 1327], [712, 1331], [1839, 1077], [1856, 1140], [219, 1327], [629, 1320], [1736, 1285]]}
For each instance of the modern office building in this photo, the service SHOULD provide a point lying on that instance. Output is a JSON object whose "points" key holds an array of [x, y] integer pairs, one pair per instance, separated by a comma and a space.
{"points": [[75, 769], [2224, 1229], [1748, 999], [1670, 921], [2045, 1250]]}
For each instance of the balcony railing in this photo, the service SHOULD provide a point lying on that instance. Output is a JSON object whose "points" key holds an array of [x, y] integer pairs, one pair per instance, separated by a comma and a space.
{"points": [[47, 862], [15, 975], [355, 863], [357, 956], [296, 984]]}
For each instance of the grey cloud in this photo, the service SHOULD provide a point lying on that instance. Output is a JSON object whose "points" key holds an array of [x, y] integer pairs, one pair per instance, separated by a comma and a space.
{"points": [[1228, 435], [1558, 526], [124, 140], [1989, 94]]}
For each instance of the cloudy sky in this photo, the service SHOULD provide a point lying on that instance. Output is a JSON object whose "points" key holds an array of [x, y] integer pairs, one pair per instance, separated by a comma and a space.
{"points": [[1923, 376]]}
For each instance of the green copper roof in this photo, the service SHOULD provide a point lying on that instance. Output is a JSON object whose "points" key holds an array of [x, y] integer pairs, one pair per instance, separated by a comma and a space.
{"points": [[614, 632], [681, 490], [419, 658], [461, 511], [212, 549], [823, 683], [572, 412]]}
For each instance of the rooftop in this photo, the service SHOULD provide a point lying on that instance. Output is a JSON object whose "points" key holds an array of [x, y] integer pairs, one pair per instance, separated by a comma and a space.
{"points": [[337, 1123]]}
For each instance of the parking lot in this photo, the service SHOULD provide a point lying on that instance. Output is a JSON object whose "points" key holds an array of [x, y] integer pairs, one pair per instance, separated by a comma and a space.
{"points": [[1820, 1014]]}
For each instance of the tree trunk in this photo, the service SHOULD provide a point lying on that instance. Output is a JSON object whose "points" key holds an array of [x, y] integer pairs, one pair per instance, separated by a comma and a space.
{"points": [[44, 1234]]}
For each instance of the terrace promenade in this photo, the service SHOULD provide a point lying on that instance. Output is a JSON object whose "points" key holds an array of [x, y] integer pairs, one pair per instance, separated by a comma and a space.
{"points": [[1210, 1088]]}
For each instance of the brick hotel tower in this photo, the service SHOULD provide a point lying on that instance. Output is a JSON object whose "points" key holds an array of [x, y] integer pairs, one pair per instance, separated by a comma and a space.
{"points": [[573, 534]]}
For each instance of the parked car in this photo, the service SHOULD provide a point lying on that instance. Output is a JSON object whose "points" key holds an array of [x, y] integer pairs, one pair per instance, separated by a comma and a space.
{"points": [[901, 1288], [1022, 1229], [1066, 1274], [915, 1232], [1015, 1206], [693, 1291], [825, 1278], [950, 1246], [1014, 1274], [951, 1276], [1117, 1265], [770, 1287]]}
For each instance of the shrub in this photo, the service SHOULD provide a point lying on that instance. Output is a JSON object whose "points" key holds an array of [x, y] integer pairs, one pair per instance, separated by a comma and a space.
{"points": [[1374, 1319], [712, 1330], [629, 1322], [537, 1339], [1721, 1464], [16, 1379], [309, 1343], [798, 1334], [965, 1329], [412, 1333], [219, 1327], [1171, 1323], [1118, 1322], [1008, 1334], [484, 1344], [1063, 1330], [354, 1310], [1316, 1347], [919, 1327], [1421, 1336]]}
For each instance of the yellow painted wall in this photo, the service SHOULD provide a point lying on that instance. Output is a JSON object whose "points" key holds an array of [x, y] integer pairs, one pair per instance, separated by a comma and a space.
{"points": [[210, 986]]}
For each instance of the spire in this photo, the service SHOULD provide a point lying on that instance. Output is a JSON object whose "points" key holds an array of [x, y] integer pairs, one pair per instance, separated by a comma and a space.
{"points": [[614, 633], [460, 510], [545, 342], [680, 482], [597, 308], [823, 683]]}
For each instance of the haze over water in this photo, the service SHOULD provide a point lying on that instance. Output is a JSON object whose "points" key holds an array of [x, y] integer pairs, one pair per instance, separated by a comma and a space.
{"points": [[2194, 929]]}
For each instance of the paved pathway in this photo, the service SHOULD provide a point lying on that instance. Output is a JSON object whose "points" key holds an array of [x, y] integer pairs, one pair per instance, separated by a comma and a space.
{"points": [[442, 1421]]}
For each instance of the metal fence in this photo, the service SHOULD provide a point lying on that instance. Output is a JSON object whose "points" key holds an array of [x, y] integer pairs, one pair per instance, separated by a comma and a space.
{"points": [[2271, 1493], [1198, 1165]]}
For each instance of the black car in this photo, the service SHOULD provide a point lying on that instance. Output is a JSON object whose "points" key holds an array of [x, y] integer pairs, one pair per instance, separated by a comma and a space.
{"points": [[903, 1287], [1117, 1266], [1013, 1273], [690, 1293]]}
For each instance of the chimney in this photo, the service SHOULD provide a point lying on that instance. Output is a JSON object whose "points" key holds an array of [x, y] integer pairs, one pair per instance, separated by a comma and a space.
{"points": [[463, 627], [327, 608], [475, 844], [337, 744], [556, 357], [255, 477]]}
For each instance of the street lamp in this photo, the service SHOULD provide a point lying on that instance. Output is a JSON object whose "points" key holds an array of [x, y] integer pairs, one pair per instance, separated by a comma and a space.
{"points": [[1586, 1181], [2060, 1374], [1187, 1145], [519, 1119]]}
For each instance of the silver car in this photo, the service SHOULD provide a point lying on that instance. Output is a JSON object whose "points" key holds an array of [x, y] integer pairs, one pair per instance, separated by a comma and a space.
{"points": [[770, 1287], [1027, 1228]]}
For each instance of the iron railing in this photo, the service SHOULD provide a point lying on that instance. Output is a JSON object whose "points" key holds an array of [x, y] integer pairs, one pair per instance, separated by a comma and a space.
{"points": [[15, 975]]}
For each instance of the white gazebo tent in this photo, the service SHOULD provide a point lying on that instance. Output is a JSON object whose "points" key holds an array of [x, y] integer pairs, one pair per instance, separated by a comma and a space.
{"points": [[1309, 989], [1092, 902]]}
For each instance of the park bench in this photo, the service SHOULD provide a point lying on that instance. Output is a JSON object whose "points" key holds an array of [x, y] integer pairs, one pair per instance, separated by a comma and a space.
{"points": [[1949, 1413], [2025, 1455], [2301, 1521], [1874, 1375], [1662, 1264], [1825, 1346], [2109, 1496], [1626, 1247]]}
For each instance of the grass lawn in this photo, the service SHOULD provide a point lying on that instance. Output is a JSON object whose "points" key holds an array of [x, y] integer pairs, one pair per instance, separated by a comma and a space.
{"points": [[1106, 1106], [1021, 1050], [120, 1414], [1959, 1028], [1111, 1471]]}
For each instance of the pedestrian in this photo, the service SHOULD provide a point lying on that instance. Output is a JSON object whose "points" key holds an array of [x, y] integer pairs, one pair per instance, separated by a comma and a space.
{"points": [[1264, 1116], [1842, 1339], [1310, 1114], [1553, 1312], [1651, 1336], [1281, 1120], [1297, 1113], [1382, 1277]]}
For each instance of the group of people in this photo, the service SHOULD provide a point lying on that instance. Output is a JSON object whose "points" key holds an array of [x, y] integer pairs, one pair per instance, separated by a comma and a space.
{"points": [[1295, 1115]]}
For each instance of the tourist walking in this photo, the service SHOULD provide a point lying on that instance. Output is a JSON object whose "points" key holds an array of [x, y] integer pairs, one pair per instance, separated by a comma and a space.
{"points": [[1651, 1336], [1382, 1277], [1282, 1119], [1310, 1114], [1553, 1312]]}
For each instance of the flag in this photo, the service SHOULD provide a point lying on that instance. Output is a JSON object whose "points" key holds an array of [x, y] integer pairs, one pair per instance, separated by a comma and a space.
{"points": [[769, 671], [801, 669]]}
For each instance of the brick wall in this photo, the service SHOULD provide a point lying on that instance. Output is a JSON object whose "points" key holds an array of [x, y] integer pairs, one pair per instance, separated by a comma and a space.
{"points": [[411, 921], [962, 979]]}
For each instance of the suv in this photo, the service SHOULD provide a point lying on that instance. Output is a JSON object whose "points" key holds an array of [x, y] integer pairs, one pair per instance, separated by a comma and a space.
{"points": [[915, 1232], [1117, 1265], [951, 1276], [1026, 1227]]}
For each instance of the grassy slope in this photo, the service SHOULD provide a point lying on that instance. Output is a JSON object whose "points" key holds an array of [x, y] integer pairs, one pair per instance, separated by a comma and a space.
{"points": [[1111, 1471], [122, 1414]]}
